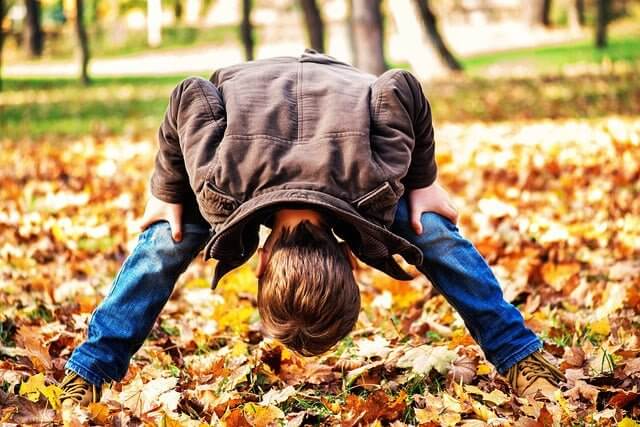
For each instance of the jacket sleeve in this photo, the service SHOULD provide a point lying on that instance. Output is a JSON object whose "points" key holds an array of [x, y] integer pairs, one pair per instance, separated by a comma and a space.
{"points": [[402, 117], [193, 121]]}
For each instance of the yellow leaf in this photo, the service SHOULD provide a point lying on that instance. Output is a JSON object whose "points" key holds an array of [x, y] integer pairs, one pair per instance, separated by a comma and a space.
{"points": [[424, 416], [52, 393], [34, 387], [484, 413], [563, 402], [628, 422], [31, 389], [557, 275], [198, 282], [167, 421], [58, 234], [601, 327], [262, 416], [496, 397], [483, 369], [239, 348]]}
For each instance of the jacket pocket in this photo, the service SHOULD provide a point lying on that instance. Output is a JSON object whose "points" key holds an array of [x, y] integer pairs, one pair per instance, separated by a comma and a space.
{"points": [[216, 205], [378, 204]]}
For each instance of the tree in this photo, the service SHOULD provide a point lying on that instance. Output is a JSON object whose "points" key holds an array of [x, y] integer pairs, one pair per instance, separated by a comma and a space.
{"points": [[34, 37], [536, 12], [368, 35], [602, 21], [246, 30], [314, 24], [83, 42], [3, 12], [431, 28], [4, 9], [545, 19], [575, 14], [177, 10]]}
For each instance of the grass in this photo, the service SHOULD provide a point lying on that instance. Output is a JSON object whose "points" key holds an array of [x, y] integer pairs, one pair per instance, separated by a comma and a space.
{"points": [[38, 107], [54, 107], [553, 58], [103, 45]]}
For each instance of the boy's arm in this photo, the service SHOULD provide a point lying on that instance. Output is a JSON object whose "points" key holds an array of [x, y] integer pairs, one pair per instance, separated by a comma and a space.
{"points": [[422, 169], [193, 123], [402, 118], [425, 193], [193, 126]]}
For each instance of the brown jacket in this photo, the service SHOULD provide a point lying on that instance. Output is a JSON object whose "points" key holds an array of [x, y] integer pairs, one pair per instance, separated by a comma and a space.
{"points": [[297, 130]]}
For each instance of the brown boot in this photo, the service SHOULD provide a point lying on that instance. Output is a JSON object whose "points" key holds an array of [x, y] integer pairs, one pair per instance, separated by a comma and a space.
{"points": [[76, 389], [534, 373]]}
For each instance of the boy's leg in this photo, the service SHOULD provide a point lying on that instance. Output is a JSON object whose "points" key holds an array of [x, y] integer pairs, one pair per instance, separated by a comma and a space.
{"points": [[459, 272], [123, 320]]}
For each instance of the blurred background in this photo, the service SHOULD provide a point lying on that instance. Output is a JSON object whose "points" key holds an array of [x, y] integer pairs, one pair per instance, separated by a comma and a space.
{"points": [[78, 66], [536, 106]]}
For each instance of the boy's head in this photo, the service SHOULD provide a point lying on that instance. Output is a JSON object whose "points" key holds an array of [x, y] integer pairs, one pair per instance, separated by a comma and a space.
{"points": [[307, 295]]}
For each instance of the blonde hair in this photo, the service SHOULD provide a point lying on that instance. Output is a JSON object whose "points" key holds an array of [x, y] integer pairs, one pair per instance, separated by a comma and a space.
{"points": [[308, 298]]}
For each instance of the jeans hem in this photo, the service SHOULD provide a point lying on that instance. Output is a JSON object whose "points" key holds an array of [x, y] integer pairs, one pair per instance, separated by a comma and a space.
{"points": [[504, 365], [85, 373]]}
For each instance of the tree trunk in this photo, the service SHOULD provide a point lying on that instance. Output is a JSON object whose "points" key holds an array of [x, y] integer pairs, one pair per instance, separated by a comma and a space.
{"points": [[34, 37], [3, 11], [83, 42], [545, 19], [575, 13], [431, 28], [246, 30], [177, 11], [314, 24], [602, 21], [368, 36], [154, 23], [536, 12]]}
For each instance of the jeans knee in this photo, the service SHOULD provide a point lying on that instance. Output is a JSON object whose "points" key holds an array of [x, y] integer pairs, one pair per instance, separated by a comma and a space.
{"points": [[433, 222]]}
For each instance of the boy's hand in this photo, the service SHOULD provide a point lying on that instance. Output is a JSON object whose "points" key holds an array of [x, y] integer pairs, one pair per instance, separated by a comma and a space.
{"points": [[157, 210], [433, 198]]}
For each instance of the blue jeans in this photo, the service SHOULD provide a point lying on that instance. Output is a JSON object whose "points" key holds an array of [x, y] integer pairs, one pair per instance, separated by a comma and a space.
{"points": [[121, 323]]}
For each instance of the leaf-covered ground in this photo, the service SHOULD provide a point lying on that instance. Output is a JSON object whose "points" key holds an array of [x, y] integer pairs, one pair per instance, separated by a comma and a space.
{"points": [[553, 205]]}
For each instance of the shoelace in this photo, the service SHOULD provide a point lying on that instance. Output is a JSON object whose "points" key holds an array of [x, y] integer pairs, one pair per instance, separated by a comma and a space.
{"points": [[74, 390], [533, 368]]}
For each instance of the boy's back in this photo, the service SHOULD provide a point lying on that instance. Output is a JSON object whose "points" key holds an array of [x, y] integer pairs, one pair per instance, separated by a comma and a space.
{"points": [[298, 130]]}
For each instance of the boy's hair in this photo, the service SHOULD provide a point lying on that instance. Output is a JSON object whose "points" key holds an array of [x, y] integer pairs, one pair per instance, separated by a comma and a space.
{"points": [[308, 298]]}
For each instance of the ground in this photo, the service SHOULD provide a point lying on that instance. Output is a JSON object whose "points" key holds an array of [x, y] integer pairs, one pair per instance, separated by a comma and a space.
{"points": [[546, 175]]}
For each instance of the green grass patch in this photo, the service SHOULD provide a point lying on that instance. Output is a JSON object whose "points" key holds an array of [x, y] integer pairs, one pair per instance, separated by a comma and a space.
{"points": [[32, 108], [39, 107], [104, 43], [553, 58]]}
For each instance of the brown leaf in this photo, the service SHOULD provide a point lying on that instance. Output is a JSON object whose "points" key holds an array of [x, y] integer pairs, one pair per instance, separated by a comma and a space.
{"points": [[623, 398], [463, 369], [632, 367], [377, 406], [236, 418], [574, 357], [30, 339], [27, 412]]}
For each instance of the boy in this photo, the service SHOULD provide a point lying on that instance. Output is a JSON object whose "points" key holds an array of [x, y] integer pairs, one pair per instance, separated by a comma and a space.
{"points": [[308, 146]]}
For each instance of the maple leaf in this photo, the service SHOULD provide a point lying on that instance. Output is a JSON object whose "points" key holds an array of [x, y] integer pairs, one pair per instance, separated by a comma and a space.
{"points": [[35, 387], [30, 339], [25, 411], [424, 358], [262, 416]]}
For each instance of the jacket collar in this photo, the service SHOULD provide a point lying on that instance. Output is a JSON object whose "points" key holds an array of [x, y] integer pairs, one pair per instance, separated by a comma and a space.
{"points": [[371, 243]]}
